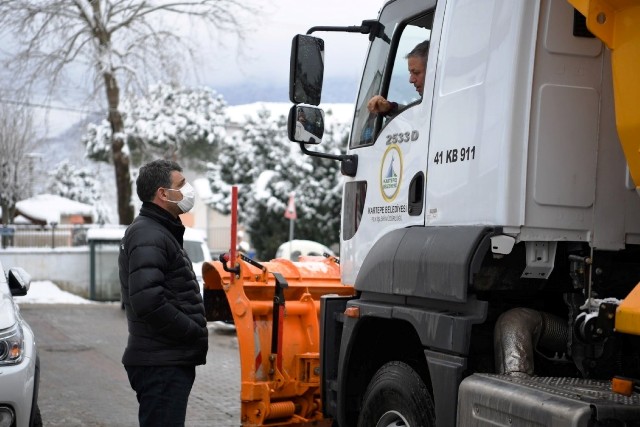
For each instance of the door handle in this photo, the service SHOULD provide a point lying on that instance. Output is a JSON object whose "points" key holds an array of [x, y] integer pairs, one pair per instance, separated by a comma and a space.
{"points": [[416, 194]]}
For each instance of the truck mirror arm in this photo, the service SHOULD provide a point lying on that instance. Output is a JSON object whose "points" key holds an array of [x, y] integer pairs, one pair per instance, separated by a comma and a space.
{"points": [[349, 162], [370, 26]]}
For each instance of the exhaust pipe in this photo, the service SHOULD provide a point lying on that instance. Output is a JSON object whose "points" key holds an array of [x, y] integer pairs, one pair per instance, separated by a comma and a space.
{"points": [[519, 331]]}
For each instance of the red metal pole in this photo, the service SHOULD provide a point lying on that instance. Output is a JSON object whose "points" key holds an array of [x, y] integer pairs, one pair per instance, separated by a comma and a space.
{"points": [[234, 227]]}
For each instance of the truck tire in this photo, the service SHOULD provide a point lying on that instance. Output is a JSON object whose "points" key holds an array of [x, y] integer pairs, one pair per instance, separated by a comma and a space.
{"points": [[397, 396]]}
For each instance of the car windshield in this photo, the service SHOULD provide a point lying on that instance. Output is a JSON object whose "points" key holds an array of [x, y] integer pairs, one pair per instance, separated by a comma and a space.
{"points": [[194, 250]]}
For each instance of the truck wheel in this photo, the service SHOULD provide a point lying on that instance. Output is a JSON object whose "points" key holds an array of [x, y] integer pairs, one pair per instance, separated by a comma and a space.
{"points": [[395, 397]]}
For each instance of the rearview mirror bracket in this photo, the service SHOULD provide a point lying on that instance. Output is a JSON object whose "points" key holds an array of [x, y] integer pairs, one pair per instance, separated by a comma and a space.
{"points": [[348, 165]]}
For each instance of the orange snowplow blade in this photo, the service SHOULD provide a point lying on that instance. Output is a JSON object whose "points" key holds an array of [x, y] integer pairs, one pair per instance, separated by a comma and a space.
{"points": [[280, 379]]}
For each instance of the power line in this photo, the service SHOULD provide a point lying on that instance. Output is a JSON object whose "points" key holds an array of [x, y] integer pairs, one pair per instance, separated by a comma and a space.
{"points": [[47, 107]]}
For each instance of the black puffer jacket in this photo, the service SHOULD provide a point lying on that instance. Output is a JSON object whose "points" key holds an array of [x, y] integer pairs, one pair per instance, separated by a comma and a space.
{"points": [[165, 312]]}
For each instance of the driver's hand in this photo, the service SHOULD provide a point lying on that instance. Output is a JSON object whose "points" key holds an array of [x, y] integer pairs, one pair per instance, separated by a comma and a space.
{"points": [[378, 105]]}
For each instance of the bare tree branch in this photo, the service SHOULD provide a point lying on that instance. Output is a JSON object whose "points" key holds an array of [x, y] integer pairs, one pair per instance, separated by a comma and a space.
{"points": [[17, 140], [121, 44]]}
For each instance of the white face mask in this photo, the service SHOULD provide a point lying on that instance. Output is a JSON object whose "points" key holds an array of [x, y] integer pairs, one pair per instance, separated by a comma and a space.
{"points": [[188, 197]]}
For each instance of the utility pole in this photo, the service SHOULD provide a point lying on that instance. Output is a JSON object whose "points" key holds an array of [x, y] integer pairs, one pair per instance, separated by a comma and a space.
{"points": [[290, 213]]}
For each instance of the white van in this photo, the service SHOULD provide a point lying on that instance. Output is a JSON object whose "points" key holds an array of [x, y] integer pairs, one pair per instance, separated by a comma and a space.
{"points": [[294, 249], [195, 243]]}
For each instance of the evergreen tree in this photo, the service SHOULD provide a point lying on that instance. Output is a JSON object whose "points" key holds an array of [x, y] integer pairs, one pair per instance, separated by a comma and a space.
{"points": [[261, 147], [173, 122], [319, 197], [267, 168], [80, 185]]}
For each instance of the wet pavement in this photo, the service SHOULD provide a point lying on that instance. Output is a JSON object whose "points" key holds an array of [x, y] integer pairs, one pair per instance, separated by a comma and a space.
{"points": [[83, 382]]}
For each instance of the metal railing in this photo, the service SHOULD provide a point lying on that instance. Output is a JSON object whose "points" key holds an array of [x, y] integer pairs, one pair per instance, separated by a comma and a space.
{"points": [[43, 236], [70, 235]]}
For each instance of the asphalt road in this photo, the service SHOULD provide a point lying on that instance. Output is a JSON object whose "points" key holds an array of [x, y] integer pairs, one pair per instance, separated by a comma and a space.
{"points": [[83, 382]]}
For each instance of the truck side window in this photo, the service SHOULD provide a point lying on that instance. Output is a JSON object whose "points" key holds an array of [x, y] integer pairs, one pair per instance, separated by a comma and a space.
{"points": [[387, 73], [402, 88]]}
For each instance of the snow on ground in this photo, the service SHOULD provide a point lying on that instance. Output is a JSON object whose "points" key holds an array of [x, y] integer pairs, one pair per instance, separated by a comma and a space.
{"points": [[46, 292]]}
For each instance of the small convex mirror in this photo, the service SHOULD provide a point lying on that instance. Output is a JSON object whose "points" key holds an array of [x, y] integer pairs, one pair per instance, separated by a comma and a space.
{"points": [[306, 124], [307, 70]]}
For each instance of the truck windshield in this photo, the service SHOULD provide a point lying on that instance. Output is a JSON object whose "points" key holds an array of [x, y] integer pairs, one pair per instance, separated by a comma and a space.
{"points": [[386, 72]]}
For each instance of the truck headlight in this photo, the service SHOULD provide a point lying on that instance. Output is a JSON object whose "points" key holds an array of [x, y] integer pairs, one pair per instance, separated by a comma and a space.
{"points": [[11, 345]]}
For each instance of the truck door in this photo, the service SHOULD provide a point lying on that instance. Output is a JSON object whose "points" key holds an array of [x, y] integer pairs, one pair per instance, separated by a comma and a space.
{"points": [[388, 190]]}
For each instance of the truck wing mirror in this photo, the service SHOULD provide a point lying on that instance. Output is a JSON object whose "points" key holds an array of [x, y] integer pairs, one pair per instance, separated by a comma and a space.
{"points": [[307, 70], [305, 124]]}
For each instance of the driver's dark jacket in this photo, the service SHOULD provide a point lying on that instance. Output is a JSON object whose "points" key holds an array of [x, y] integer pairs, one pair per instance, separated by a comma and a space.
{"points": [[160, 292]]}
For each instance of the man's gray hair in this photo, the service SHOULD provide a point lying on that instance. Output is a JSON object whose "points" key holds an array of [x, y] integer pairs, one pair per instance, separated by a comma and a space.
{"points": [[420, 51]]}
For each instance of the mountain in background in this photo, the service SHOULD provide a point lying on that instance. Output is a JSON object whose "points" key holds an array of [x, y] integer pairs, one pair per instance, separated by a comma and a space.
{"points": [[67, 144], [335, 90]]}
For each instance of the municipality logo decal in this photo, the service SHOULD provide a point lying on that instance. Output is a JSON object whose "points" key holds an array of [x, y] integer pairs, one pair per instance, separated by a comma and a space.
{"points": [[391, 173]]}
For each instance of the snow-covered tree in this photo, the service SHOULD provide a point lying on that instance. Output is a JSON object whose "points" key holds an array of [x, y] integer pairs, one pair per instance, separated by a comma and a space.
{"points": [[81, 185], [243, 161], [171, 121], [267, 167], [17, 139], [242, 158], [122, 43], [319, 197]]}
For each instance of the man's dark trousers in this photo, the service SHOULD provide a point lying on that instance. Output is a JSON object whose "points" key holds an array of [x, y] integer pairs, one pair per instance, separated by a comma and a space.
{"points": [[162, 392]]}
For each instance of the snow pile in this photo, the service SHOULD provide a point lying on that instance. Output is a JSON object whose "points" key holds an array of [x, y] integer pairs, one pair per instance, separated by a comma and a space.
{"points": [[46, 292]]}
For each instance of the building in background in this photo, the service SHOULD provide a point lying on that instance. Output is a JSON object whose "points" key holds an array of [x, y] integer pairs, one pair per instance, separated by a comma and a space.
{"points": [[47, 209]]}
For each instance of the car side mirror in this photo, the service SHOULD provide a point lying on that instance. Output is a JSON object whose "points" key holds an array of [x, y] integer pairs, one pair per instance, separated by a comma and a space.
{"points": [[305, 124], [19, 281]]}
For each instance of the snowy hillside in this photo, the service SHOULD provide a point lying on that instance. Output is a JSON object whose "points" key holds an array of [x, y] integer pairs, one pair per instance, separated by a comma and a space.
{"points": [[68, 145], [333, 112]]}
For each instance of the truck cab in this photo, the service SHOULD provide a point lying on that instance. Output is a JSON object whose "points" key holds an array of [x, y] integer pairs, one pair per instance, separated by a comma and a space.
{"points": [[490, 227]]}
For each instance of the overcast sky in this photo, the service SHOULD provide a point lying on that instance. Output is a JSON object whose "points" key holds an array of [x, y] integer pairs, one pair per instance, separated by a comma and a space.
{"points": [[268, 45], [264, 58]]}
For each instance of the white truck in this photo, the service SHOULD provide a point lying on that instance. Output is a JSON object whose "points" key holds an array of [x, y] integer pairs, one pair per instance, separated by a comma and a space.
{"points": [[490, 229]]}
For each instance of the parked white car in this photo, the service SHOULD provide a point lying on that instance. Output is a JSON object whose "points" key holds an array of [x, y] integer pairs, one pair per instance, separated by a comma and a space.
{"points": [[294, 249], [195, 243], [19, 363]]}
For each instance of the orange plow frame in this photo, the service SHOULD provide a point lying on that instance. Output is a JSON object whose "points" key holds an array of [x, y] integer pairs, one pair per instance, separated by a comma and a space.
{"points": [[279, 385]]}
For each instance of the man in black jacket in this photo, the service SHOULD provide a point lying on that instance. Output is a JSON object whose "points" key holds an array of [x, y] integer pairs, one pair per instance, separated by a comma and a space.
{"points": [[167, 327]]}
